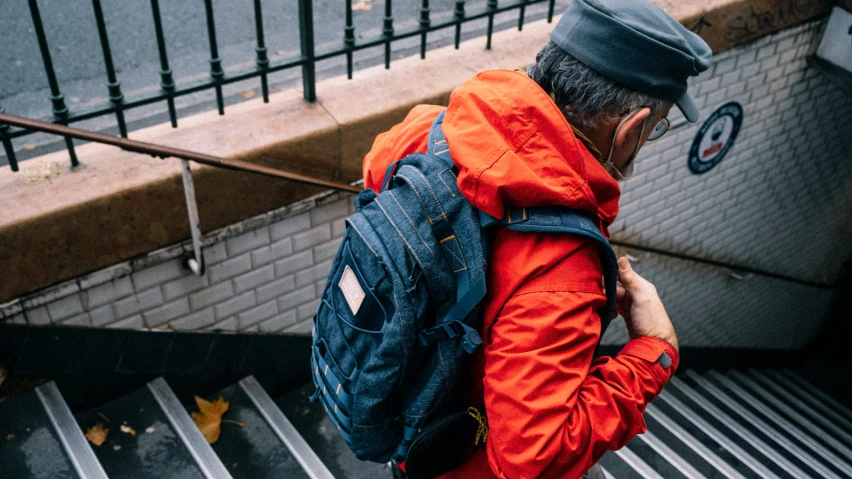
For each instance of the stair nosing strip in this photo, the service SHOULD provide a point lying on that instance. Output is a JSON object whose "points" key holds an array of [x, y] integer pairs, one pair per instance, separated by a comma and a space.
{"points": [[783, 423], [752, 462], [206, 459], [693, 443], [606, 474], [801, 405], [669, 455], [285, 430], [737, 428], [764, 427], [637, 464], [70, 435]]}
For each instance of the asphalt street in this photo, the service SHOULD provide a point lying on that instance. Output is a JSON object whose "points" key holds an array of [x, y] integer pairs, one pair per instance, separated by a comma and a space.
{"points": [[78, 60]]}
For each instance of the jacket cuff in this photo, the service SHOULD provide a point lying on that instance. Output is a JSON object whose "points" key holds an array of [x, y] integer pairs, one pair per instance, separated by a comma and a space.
{"points": [[661, 356]]}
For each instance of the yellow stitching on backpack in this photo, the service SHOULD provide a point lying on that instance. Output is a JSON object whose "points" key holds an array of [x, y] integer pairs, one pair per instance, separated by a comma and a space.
{"points": [[482, 429]]}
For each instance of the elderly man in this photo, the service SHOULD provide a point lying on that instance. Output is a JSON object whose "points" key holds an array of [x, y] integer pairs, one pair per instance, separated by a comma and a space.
{"points": [[563, 133]]}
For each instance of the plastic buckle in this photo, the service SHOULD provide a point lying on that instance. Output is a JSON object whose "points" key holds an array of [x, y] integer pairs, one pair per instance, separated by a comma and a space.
{"points": [[471, 341]]}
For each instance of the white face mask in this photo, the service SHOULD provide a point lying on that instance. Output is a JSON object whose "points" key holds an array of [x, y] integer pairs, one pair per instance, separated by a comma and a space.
{"points": [[628, 167]]}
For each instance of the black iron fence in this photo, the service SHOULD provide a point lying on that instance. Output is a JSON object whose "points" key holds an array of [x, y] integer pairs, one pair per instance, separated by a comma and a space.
{"points": [[169, 89]]}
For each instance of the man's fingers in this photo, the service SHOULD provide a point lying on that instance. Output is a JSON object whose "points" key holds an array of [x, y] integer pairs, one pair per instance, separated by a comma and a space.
{"points": [[626, 275], [620, 292]]}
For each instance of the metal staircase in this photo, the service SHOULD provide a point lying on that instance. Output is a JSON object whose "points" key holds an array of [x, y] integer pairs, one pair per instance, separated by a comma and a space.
{"points": [[752, 424]]}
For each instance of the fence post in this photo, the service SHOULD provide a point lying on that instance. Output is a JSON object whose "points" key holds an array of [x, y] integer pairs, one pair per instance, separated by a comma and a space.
{"points": [[262, 59], [216, 71], [387, 31], [167, 82], [306, 33], [60, 111], [113, 85]]}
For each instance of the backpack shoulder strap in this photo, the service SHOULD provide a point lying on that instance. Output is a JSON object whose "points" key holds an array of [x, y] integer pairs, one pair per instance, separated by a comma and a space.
{"points": [[470, 288], [437, 142], [564, 220]]}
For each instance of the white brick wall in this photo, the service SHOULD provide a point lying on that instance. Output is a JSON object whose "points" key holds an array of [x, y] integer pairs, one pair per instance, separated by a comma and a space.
{"points": [[781, 201]]}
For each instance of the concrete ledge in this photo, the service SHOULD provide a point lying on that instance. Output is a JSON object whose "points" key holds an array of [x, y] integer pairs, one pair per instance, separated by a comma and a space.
{"points": [[57, 224]]}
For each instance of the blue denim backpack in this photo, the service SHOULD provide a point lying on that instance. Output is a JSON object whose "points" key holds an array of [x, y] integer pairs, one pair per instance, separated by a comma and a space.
{"points": [[399, 311]]}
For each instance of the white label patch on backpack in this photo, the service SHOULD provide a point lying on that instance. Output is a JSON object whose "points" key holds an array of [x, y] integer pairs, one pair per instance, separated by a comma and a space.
{"points": [[352, 290]]}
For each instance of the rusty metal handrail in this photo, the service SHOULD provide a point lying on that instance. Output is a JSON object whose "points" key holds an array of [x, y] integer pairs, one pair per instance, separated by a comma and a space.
{"points": [[161, 151]]}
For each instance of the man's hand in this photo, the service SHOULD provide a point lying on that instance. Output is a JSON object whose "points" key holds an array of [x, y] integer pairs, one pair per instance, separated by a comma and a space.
{"points": [[640, 306]]}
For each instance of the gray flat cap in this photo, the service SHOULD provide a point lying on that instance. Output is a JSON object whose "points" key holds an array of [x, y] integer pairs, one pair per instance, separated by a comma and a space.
{"points": [[636, 44]]}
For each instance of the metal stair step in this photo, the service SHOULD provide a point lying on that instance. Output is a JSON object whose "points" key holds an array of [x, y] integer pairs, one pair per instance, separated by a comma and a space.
{"points": [[624, 464], [802, 436], [32, 448], [319, 433], [780, 442], [166, 442], [724, 434], [687, 447], [737, 430], [659, 457], [252, 451]]}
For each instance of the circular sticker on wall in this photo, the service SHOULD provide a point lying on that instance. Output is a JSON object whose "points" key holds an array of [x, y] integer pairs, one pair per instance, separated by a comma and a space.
{"points": [[715, 137]]}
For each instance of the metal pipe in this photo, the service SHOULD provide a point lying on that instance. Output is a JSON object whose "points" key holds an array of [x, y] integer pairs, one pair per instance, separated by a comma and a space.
{"points": [[349, 38], [387, 31], [458, 16], [167, 83], [262, 60], [492, 9], [168, 151], [306, 37], [113, 85], [424, 23], [216, 71], [60, 110]]}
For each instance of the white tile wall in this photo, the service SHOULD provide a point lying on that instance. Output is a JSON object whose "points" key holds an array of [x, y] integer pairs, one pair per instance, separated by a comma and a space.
{"points": [[781, 201]]}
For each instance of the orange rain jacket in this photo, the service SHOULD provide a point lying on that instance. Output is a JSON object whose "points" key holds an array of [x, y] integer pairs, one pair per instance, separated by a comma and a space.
{"points": [[553, 410]]}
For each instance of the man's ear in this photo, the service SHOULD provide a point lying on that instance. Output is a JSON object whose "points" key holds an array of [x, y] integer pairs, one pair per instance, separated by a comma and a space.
{"points": [[634, 121]]}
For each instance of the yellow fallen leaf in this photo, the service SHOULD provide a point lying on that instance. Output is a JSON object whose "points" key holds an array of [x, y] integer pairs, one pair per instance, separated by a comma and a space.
{"points": [[362, 5], [209, 417], [10, 437], [97, 434], [248, 94], [29, 147], [128, 430]]}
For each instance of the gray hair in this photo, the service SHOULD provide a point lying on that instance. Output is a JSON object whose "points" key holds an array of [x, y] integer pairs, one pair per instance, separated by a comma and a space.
{"points": [[585, 96]]}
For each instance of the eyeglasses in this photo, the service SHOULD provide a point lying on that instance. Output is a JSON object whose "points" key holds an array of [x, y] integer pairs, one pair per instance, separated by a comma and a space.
{"points": [[660, 129]]}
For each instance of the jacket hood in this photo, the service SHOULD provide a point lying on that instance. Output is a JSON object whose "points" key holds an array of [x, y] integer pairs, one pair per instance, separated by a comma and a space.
{"points": [[512, 146]]}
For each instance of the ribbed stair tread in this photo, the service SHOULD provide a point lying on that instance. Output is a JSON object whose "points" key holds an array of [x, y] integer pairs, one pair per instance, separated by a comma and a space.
{"points": [[253, 451], [314, 426], [29, 445], [156, 451]]}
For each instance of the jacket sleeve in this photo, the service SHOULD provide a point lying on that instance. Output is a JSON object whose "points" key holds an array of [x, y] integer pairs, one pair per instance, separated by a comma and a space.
{"points": [[552, 410]]}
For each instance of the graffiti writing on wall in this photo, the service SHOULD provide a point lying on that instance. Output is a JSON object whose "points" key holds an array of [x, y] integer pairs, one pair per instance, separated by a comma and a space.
{"points": [[760, 20], [742, 21]]}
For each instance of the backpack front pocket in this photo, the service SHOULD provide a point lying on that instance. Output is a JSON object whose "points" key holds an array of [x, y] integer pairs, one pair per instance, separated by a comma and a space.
{"points": [[355, 306]]}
